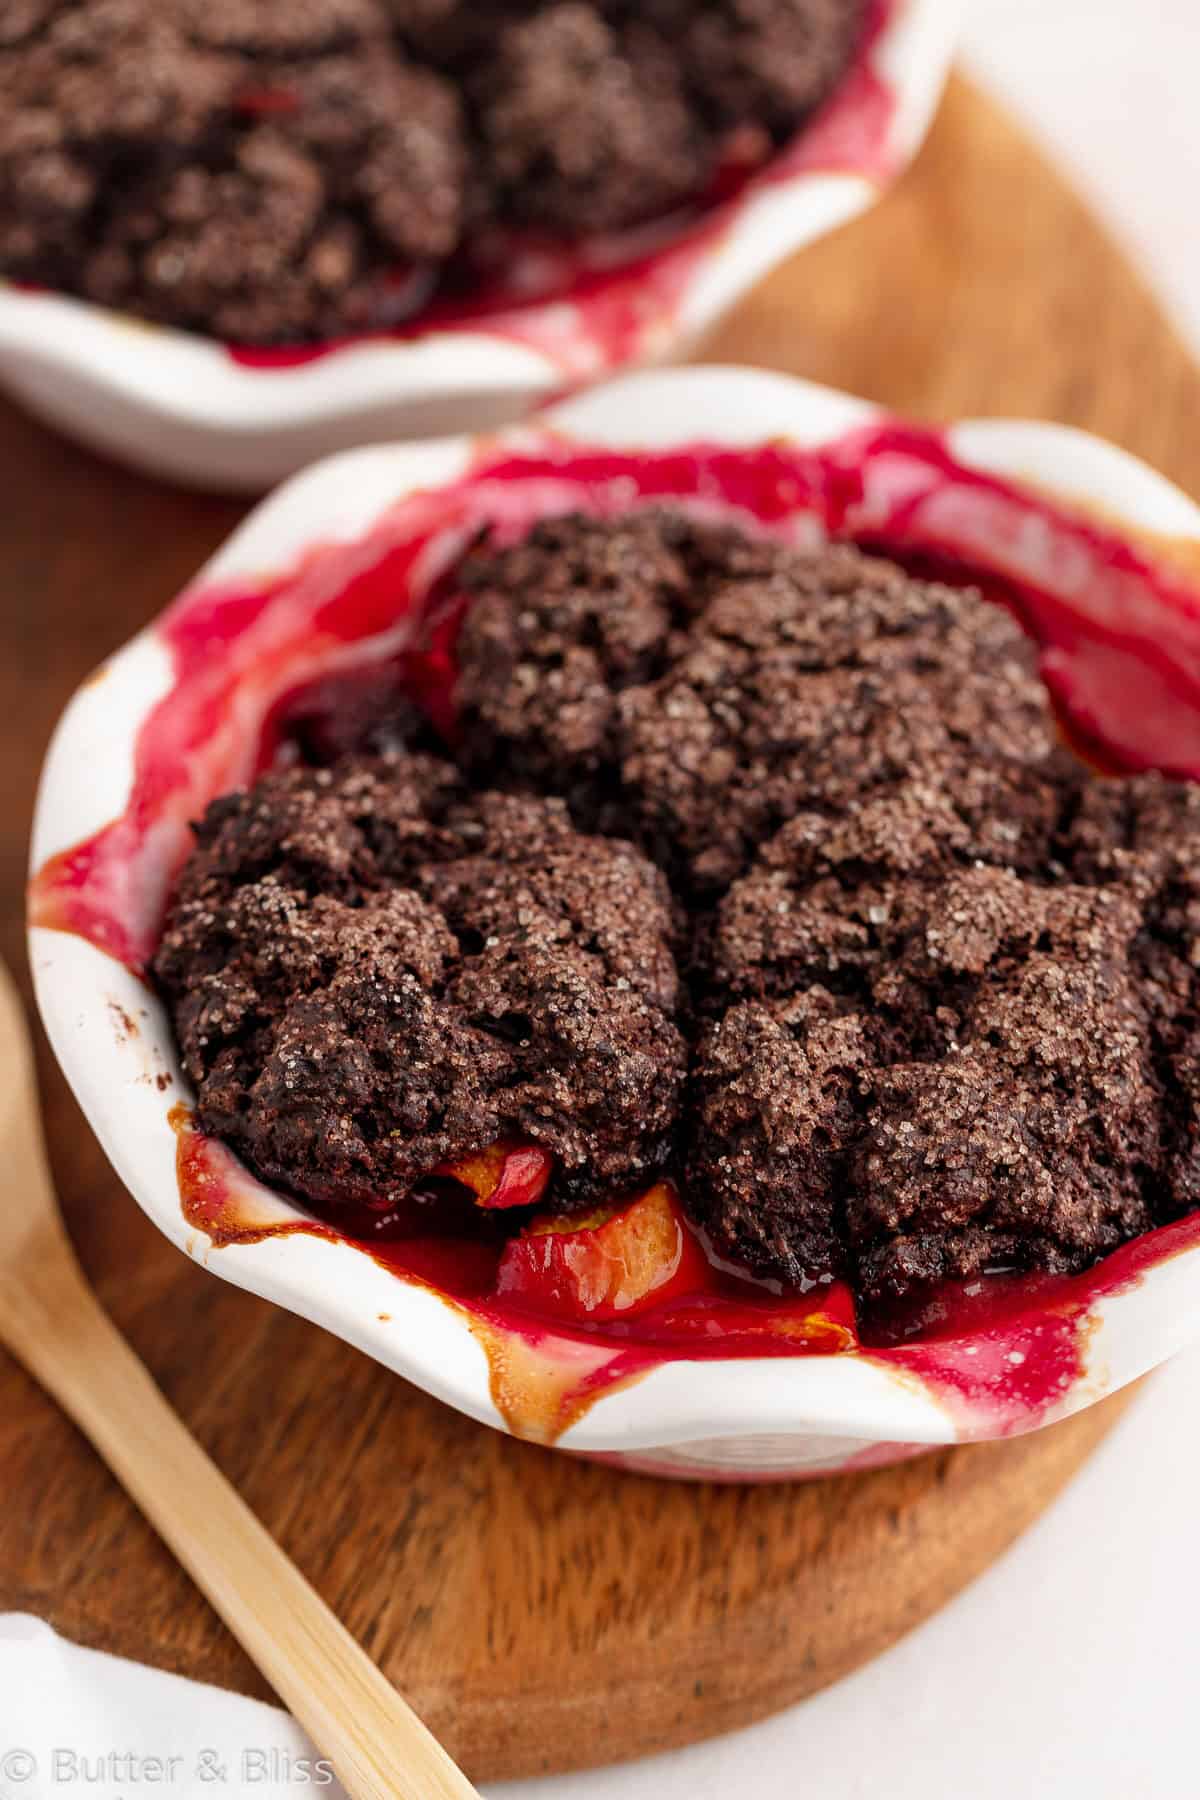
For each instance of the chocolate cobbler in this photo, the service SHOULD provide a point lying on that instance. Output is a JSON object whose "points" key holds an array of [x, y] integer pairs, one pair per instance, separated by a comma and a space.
{"points": [[761, 869], [286, 170]]}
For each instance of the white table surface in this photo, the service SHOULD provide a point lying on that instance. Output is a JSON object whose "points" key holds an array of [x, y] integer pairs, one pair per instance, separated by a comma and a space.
{"points": [[1069, 1669], [1111, 87]]}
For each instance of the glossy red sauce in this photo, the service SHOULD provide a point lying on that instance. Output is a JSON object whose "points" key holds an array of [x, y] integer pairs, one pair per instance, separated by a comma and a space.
{"points": [[1120, 638], [593, 307]]}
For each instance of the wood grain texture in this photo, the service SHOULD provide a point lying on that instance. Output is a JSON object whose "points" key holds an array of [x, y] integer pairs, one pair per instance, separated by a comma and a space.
{"points": [[542, 1613], [52, 1320]]}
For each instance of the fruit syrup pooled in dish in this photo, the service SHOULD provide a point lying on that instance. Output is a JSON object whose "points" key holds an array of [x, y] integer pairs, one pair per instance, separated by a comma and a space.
{"points": [[927, 966]]}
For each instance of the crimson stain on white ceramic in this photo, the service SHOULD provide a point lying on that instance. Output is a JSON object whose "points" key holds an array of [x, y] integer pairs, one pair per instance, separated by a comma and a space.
{"points": [[1119, 637]]}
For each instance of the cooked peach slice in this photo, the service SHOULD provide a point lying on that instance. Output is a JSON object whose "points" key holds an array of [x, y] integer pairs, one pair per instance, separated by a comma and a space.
{"points": [[823, 1320], [607, 1264], [503, 1174]]}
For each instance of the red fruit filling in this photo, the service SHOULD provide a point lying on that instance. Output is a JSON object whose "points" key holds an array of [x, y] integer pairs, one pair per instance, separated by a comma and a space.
{"points": [[503, 1175], [616, 1261]]}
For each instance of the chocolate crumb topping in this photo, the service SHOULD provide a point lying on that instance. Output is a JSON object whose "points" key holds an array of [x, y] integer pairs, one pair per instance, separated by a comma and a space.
{"points": [[587, 127], [720, 685], [970, 1056], [275, 171], [910, 995], [372, 972], [562, 623]]}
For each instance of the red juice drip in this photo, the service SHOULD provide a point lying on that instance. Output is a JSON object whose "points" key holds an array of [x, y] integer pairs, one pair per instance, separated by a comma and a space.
{"points": [[1120, 643], [596, 307], [544, 1373]]}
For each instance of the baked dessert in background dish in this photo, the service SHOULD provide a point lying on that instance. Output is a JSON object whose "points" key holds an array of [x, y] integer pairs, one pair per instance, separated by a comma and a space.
{"points": [[758, 870], [269, 172]]}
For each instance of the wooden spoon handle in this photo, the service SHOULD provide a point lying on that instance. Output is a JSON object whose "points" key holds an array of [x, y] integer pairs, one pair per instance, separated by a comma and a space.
{"points": [[378, 1747]]}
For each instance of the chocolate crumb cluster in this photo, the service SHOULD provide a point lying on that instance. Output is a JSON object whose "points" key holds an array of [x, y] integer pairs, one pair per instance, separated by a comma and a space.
{"points": [[929, 1065], [761, 866], [271, 171], [373, 972], [703, 687]]}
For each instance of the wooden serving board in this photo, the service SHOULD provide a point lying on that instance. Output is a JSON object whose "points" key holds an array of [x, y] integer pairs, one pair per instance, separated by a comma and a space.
{"points": [[543, 1613]]}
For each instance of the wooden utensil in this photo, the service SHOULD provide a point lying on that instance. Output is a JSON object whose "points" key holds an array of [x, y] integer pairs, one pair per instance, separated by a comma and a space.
{"points": [[52, 1321]]}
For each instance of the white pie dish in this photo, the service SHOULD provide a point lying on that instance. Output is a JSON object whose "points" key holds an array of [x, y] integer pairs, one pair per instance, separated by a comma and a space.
{"points": [[733, 1418], [181, 406]]}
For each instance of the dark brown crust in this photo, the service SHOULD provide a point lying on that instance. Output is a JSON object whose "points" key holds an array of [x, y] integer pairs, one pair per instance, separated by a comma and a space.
{"points": [[718, 686], [372, 972], [560, 625]]}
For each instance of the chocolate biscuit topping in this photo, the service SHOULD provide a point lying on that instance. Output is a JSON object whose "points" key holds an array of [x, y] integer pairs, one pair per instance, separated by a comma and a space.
{"points": [[271, 171], [562, 623], [971, 1057], [373, 972], [938, 1001], [719, 685]]}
